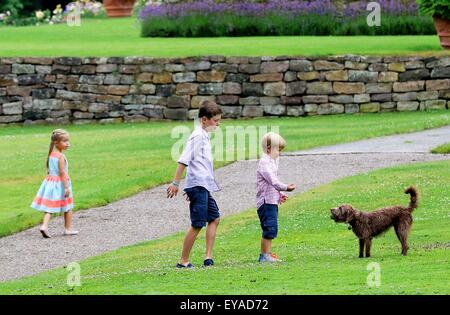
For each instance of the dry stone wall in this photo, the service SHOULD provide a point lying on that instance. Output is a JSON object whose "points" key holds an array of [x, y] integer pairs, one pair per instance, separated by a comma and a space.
{"points": [[134, 89]]}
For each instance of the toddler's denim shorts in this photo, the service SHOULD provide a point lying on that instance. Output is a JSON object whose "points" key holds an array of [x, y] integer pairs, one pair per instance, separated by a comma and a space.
{"points": [[268, 217]]}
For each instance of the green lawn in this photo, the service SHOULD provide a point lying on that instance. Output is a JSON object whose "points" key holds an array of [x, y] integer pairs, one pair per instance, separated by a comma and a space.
{"points": [[110, 162], [121, 37], [320, 256], [442, 149]]}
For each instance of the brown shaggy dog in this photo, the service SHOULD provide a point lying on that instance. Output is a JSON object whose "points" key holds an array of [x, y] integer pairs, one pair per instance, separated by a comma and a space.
{"points": [[367, 225]]}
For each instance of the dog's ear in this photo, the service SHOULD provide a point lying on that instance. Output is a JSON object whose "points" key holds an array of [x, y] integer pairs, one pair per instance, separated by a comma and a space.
{"points": [[349, 213]]}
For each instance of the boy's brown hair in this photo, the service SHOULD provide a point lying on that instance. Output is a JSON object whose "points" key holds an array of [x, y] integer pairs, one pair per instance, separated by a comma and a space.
{"points": [[209, 109]]}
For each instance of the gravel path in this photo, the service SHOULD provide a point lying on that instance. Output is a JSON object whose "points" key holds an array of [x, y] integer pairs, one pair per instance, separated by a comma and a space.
{"points": [[146, 215], [422, 141]]}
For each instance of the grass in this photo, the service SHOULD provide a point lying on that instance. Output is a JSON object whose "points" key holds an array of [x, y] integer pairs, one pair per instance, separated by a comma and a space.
{"points": [[320, 257], [121, 37], [442, 149], [111, 162]]}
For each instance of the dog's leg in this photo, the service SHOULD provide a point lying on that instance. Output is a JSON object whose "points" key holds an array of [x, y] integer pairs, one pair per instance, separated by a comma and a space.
{"points": [[361, 248], [368, 245], [402, 231]]}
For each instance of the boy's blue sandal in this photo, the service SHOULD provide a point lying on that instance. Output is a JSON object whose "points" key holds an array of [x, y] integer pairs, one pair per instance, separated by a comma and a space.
{"points": [[208, 262], [183, 266]]}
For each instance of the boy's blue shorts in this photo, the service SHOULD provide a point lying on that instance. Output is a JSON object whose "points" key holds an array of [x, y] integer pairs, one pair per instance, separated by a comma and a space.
{"points": [[203, 208], [268, 216]]}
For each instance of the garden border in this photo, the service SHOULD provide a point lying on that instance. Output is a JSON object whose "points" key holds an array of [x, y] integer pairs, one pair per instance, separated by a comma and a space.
{"points": [[138, 89]]}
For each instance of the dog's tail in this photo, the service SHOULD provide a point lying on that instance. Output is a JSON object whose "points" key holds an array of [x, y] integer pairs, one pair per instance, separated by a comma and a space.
{"points": [[413, 203]]}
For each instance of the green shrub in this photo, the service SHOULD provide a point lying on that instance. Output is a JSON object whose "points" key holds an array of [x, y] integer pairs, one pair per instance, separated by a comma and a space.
{"points": [[16, 7], [439, 8], [272, 25]]}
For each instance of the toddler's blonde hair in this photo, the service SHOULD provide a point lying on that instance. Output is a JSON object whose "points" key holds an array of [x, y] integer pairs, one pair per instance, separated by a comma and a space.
{"points": [[272, 140]]}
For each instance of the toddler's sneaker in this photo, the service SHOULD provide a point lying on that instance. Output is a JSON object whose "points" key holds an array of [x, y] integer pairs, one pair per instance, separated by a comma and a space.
{"points": [[268, 257]]}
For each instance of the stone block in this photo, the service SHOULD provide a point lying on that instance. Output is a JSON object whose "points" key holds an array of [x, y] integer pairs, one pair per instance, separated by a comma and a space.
{"points": [[162, 78], [327, 65], [337, 75], [370, 107], [232, 88], [178, 101], [319, 88], [410, 86], [186, 89], [374, 88], [197, 100], [315, 99], [252, 111], [415, 75], [407, 106], [275, 89], [266, 77], [330, 108], [14, 108], [301, 65], [227, 99], [211, 76], [308, 76], [295, 111], [348, 88], [361, 98], [252, 89], [273, 67], [210, 89], [388, 77], [362, 76], [435, 85], [397, 67]]}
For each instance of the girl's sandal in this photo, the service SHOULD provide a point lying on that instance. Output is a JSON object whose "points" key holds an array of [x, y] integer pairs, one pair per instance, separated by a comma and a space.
{"points": [[71, 232], [45, 233]]}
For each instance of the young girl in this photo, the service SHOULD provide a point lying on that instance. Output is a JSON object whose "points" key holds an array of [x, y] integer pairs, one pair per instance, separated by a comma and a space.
{"points": [[55, 193]]}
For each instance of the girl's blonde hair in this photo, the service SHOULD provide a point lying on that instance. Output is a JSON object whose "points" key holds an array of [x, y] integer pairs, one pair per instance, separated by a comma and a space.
{"points": [[272, 140], [57, 135]]}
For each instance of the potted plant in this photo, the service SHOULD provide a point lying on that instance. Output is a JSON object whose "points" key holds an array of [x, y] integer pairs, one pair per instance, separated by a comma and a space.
{"points": [[440, 11], [118, 8]]}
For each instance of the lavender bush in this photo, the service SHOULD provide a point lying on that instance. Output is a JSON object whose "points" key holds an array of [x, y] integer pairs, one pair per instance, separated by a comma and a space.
{"points": [[321, 7], [279, 17]]}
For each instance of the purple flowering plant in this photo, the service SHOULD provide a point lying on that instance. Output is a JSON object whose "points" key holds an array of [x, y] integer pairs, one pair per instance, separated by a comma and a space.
{"points": [[294, 7], [279, 17]]}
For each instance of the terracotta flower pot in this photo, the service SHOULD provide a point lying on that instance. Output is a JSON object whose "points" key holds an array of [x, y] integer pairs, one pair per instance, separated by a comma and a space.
{"points": [[118, 8], [443, 30]]}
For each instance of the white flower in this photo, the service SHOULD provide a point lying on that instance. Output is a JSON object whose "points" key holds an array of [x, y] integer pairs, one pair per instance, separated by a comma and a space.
{"points": [[58, 9], [39, 15]]}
